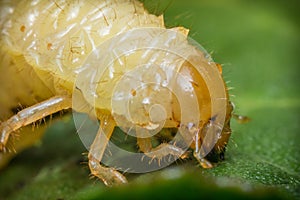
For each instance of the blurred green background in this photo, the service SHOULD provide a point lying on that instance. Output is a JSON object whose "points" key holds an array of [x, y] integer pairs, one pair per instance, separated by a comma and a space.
{"points": [[258, 43]]}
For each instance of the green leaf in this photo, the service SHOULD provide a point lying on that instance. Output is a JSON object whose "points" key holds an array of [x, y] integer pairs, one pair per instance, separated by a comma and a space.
{"points": [[258, 42]]}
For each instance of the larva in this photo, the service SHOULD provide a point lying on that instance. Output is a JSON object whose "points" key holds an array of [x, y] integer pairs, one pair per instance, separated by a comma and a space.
{"points": [[117, 63]]}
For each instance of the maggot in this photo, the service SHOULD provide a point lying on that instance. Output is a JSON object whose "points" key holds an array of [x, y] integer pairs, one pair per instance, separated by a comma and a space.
{"points": [[56, 55]]}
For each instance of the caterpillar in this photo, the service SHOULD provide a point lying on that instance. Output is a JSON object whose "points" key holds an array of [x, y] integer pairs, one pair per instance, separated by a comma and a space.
{"points": [[118, 64]]}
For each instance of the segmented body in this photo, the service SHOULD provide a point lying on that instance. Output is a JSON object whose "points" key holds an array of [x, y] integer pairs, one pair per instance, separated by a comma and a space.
{"points": [[44, 42], [44, 45]]}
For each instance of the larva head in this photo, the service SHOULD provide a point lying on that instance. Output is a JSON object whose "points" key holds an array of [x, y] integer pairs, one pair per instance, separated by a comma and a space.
{"points": [[207, 119]]}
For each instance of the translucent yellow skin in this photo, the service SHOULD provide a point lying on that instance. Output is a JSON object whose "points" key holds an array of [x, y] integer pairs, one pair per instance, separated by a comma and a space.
{"points": [[43, 47], [20, 87]]}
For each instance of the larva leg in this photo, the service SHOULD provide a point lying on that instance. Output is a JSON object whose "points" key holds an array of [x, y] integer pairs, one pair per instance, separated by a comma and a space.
{"points": [[32, 114], [202, 161], [108, 175], [160, 151]]}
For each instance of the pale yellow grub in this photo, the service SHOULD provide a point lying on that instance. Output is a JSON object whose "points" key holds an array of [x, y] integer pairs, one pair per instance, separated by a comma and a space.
{"points": [[45, 43]]}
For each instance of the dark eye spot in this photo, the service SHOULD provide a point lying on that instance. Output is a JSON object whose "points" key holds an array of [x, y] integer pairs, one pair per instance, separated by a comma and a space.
{"points": [[213, 118]]}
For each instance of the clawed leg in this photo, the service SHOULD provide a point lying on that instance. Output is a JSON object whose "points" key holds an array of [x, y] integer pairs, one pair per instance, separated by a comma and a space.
{"points": [[109, 176], [202, 161], [199, 152], [32, 114], [160, 151]]}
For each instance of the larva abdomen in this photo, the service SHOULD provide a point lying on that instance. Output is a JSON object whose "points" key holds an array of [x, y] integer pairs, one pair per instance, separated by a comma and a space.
{"points": [[56, 36], [19, 84]]}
